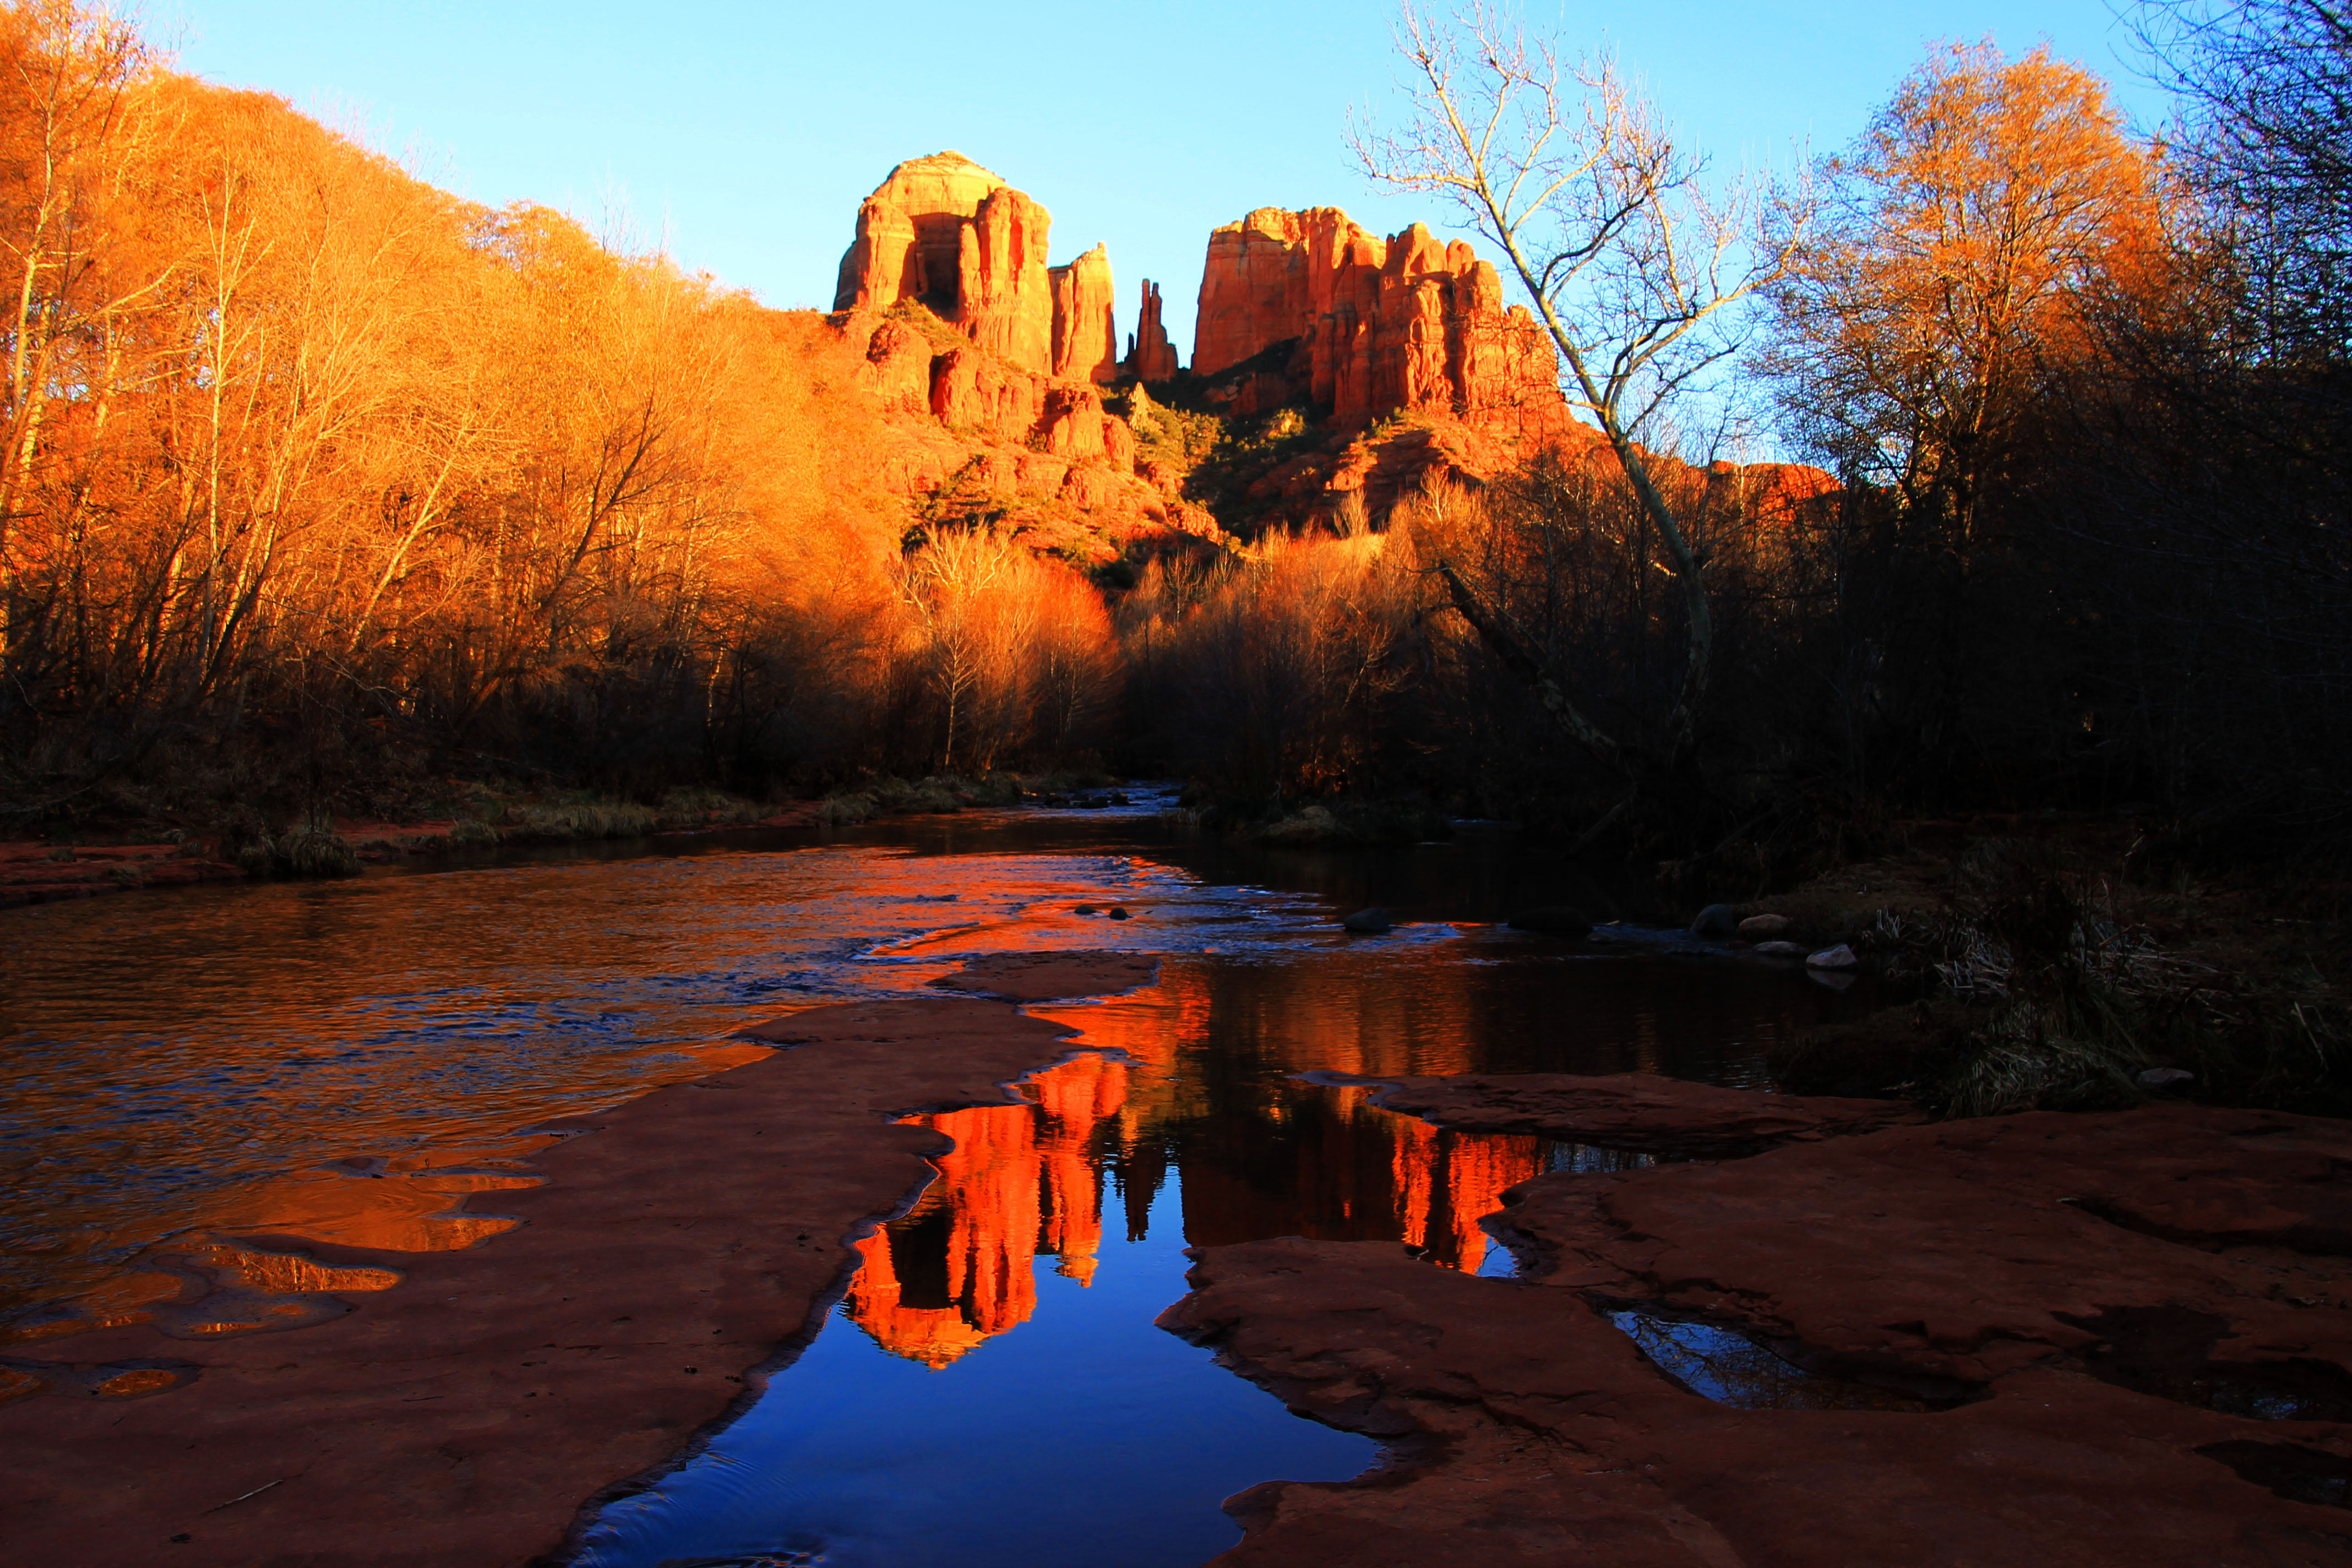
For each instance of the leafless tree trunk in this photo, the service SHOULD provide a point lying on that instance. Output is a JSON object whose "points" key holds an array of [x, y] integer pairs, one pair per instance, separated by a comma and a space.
{"points": [[1632, 265]]}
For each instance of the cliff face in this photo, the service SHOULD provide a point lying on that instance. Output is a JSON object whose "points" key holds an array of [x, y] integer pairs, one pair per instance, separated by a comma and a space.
{"points": [[946, 233], [1085, 346], [1371, 326]]}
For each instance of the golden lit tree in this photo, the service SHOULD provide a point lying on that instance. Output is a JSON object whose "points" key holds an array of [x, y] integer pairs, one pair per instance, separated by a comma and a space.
{"points": [[1970, 232]]}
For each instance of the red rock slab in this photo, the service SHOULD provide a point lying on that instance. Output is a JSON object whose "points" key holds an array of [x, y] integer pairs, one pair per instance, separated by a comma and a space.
{"points": [[1637, 1110], [1525, 1430], [2169, 1244], [1051, 976], [463, 1415]]}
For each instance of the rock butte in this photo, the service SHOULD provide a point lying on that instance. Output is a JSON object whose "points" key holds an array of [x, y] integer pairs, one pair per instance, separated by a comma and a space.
{"points": [[1366, 327]]}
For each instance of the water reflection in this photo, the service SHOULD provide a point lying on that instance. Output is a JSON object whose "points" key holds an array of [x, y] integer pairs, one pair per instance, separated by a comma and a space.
{"points": [[351, 1063]]}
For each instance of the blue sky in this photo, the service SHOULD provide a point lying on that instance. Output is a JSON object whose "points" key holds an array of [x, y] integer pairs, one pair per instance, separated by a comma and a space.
{"points": [[746, 134]]}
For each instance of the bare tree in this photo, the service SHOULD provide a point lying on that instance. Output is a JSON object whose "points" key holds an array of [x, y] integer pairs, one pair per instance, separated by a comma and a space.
{"points": [[1632, 261]]}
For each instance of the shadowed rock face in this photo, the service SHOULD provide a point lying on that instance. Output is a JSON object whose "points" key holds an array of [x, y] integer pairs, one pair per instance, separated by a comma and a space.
{"points": [[2145, 1320]]}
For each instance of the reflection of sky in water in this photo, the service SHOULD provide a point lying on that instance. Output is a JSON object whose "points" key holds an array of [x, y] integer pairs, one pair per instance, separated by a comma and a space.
{"points": [[1100, 1441], [1731, 1369]]}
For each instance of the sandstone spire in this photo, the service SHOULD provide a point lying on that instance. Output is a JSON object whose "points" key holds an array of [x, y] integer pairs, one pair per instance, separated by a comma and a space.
{"points": [[1150, 356]]}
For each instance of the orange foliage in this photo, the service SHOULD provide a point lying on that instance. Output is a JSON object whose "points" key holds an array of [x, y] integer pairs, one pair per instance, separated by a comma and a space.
{"points": [[294, 437], [1989, 206]]}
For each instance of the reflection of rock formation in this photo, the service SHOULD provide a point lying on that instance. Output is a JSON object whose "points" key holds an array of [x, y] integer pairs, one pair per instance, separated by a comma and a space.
{"points": [[1447, 1182], [1258, 1159], [1020, 1182]]}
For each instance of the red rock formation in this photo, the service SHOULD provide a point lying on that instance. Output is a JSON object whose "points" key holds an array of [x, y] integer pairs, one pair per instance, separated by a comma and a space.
{"points": [[1086, 344], [947, 232], [1377, 326], [1005, 299], [1150, 356], [1268, 278], [967, 420]]}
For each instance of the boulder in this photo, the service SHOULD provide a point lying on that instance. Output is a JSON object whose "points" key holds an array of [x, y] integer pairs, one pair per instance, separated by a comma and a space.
{"points": [[1554, 919], [1838, 957], [1758, 926], [1715, 920], [1368, 922]]}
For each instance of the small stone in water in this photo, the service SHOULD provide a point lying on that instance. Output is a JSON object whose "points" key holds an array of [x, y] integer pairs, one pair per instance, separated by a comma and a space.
{"points": [[1838, 957], [1779, 949], [1118, 913], [1765, 925], [1086, 910], [2164, 1077]]}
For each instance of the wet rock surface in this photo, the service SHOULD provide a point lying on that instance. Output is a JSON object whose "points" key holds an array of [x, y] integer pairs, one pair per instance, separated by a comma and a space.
{"points": [[1051, 976], [1641, 1111], [467, 1413], [2121, 1339]]}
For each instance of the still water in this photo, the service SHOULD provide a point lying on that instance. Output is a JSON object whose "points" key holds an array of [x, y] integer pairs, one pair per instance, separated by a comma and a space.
{"points": [[186, 1067]]}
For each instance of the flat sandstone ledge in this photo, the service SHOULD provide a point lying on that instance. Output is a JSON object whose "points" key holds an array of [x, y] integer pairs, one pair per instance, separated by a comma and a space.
{"points": [[2084, 1287], [464, 1415], [1635, 1111]]}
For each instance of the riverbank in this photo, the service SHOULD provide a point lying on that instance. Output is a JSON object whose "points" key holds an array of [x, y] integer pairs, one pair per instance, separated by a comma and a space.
{"points": [[115, 855], [2102, 1340], [682, 1245], [2068, 963]]}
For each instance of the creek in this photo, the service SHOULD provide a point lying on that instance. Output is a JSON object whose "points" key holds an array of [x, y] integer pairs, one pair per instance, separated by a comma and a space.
{"points": [[192, 1065]]}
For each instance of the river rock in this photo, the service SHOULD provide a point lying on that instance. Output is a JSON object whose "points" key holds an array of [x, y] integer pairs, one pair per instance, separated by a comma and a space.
{"points": [[1838, 957], [1779, 950], [1368, 922], [1756, 926], [1554, 919], [1715, 920]]}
